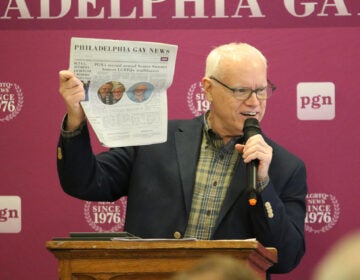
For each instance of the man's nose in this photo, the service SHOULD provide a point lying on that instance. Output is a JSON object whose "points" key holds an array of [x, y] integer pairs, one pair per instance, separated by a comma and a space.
{"points": [[252, 99]]}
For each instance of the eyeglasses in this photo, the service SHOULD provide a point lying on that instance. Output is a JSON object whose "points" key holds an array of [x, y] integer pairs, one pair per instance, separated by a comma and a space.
{"points": [[245, 93]]}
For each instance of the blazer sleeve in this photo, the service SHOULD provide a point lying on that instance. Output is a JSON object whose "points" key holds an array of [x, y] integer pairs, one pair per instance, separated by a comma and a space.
{"points": [[102, 177], [279, 217]]}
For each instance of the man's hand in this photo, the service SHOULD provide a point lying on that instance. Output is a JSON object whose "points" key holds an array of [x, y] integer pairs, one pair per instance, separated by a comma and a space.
{"points": [[257, 148], [72, 91]]}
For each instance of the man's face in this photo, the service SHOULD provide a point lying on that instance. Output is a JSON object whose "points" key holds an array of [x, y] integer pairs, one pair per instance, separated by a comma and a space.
{"points": [[139, 90], [118, 93], [105, 89], [228, 114]]}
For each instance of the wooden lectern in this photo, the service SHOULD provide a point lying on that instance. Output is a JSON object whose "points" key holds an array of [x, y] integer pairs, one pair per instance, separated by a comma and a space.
{"points": [[150, 259]]}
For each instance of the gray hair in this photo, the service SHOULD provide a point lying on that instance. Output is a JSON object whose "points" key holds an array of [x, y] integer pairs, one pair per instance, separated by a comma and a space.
{"points": [[231, 51], [342, 261]]}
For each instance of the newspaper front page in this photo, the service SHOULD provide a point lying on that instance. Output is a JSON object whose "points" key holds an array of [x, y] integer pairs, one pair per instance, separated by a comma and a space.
{"points": [[126, 86]]}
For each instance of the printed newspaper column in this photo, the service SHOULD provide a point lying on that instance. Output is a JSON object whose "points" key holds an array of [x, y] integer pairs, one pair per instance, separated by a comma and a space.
{"points": [[125, 88]]}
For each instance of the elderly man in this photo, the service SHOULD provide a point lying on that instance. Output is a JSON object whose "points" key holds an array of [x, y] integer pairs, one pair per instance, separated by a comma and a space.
{"points": [[194, 185]]}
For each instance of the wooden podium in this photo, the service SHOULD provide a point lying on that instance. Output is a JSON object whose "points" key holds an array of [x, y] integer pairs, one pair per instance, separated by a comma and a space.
{"points": [[150, 259]]}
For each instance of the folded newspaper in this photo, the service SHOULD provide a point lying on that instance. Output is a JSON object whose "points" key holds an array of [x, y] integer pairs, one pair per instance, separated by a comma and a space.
{"points": [[126, 86]]}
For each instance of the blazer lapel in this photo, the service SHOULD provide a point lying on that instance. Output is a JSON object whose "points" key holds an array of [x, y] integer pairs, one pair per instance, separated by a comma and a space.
{"points": [[236, 189], [187, 144]]}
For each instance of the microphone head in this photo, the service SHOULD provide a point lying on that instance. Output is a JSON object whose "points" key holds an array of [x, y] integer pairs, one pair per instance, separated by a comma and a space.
{"points": [[251, 128]]}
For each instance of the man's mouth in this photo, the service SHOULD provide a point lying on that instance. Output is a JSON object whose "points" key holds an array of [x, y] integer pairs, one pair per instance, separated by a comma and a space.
{"points": [[249, 114]]}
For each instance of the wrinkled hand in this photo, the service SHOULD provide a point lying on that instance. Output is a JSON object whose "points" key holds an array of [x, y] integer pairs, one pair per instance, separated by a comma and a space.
{"points": [[72, 91], [257, 148]]}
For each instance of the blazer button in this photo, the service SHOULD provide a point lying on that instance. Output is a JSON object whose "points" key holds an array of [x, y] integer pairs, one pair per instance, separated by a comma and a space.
{"points": [[269, 210], [177, 235], [59, 153]]}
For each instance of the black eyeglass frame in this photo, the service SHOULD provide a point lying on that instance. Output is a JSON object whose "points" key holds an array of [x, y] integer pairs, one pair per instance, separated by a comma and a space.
{"points": [[270, 86]]}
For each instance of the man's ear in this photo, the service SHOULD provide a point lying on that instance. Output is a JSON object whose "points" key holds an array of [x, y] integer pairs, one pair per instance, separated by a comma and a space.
{"points": [[206, 83]]}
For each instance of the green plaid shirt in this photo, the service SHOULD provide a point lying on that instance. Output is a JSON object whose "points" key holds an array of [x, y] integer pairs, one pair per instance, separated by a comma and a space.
{"points": [[213, 175]]}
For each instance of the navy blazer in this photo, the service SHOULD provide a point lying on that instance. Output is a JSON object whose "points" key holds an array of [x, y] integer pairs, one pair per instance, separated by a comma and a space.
{"points": [[159, 180]]}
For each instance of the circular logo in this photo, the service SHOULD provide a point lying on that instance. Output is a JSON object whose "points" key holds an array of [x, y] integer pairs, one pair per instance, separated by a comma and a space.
{"points": [[11, 101], [322, 213], [196, 99], [106, 216]]}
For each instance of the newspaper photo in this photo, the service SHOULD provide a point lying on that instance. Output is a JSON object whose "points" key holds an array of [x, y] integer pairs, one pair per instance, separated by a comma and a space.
{"points": [[126, 86]]}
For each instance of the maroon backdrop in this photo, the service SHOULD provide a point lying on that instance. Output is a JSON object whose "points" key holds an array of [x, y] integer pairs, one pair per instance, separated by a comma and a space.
{"points": [[313, 52]]}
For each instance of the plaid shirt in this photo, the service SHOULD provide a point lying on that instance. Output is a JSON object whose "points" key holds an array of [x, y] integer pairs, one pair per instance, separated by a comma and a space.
{"points": [[213, 175]]}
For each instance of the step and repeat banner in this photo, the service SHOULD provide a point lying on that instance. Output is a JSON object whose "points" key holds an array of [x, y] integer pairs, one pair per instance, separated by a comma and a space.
{"points": [[314, 60]]}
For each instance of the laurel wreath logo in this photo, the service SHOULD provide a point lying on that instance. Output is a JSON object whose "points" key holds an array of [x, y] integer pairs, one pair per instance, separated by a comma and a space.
{"points": [[334, 218], [190, 100], [90, 221], [20, 103], [336, 215]]}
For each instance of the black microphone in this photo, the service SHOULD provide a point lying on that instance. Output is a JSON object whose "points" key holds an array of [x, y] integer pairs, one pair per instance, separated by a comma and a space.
{"points": [[251, 128]]}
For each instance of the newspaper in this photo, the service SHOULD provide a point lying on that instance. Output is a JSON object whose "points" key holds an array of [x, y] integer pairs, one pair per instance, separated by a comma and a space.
{"points": [[125, 88]]}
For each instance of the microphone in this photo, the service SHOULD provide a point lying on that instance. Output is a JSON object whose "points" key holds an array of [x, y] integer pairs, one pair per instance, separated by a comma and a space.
{"points": [[251, 128]]}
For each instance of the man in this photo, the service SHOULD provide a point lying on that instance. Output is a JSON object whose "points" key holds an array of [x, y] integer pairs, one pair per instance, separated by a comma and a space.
{"points": [[194, 185], [104, 93], [140, 93], [117, 91]]}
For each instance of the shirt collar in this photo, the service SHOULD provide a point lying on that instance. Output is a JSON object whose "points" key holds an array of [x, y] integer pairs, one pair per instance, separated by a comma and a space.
{"points": [[215, 139]]}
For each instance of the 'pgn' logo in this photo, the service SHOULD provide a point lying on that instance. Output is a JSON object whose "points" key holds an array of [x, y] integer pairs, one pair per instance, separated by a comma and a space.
{"points": [[10, 214], [316, 101]]}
